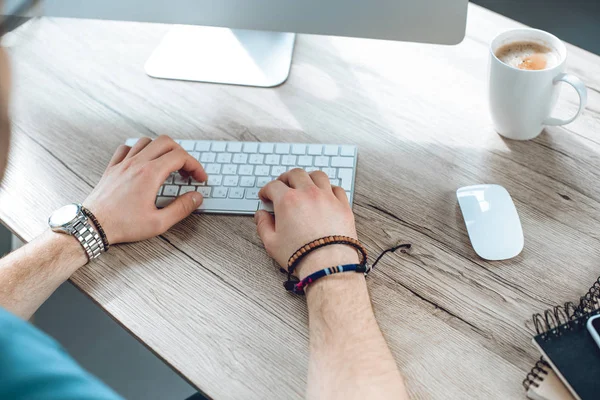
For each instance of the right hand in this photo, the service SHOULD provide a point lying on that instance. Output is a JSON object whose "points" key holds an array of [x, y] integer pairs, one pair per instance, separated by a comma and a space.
{"points": [[306, 208]]}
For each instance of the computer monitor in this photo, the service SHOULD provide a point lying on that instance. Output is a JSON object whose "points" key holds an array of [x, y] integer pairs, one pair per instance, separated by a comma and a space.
{"points": [[251, 42]]}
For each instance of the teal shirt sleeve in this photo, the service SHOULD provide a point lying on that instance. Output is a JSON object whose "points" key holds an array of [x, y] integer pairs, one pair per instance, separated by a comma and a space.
{"points": [[35, 367]]}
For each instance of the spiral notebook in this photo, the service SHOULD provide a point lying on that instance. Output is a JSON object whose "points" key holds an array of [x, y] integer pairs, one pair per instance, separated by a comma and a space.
{"points": [[542, 383], [568, 348]]}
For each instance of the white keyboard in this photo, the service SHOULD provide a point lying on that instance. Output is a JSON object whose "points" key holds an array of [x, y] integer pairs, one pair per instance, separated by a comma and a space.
{"points": [[237, 170]]}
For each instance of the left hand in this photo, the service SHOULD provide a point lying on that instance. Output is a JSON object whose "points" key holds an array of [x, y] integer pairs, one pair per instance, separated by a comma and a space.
{"points": [[123, 200]]}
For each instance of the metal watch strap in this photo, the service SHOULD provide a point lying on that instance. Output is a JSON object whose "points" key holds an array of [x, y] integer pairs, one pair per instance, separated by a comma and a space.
{"points": [[88, 237]]}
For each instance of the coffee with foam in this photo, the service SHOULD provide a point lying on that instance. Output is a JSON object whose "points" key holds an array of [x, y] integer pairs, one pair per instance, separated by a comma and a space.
{"points": [[528, 55]]}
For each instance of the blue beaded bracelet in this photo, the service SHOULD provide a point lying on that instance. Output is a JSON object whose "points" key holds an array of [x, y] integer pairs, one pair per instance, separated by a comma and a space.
{"points": [[298, 286]]}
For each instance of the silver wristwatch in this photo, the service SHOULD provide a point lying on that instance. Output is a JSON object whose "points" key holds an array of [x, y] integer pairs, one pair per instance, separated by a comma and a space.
{"points": [[71, 220]]}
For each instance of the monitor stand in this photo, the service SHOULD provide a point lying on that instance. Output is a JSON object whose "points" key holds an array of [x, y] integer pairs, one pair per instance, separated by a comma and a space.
{"points": [[221, 55]]}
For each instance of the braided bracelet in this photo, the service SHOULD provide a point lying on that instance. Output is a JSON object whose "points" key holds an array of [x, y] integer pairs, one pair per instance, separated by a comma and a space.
{"points": [[91, 216], [299, 286]]}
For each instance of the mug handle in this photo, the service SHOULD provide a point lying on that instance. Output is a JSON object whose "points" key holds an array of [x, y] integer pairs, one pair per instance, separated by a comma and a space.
{"points": [[579, 86]]}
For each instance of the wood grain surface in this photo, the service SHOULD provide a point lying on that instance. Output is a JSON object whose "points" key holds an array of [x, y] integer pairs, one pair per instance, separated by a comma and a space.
{"points": [[206, 298]]}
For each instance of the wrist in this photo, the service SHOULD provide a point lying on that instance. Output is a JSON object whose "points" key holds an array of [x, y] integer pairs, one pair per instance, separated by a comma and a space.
{"points": [[325, 257], [70, 249]]}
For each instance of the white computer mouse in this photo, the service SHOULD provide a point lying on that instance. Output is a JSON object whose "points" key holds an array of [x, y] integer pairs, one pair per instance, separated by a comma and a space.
{"points": [[492, 221]]}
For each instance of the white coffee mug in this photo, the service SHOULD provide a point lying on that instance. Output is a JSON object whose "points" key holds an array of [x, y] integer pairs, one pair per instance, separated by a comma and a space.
{"points": [[521, 101]]}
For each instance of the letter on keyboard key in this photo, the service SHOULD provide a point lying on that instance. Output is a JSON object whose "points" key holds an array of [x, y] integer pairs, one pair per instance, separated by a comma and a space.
{"points": [[345, 174], [236, 193], [345, 162], [185, 189], [170, 190], [188, 145], [266, 148], [231, 180], [322, 161], [315, 149], [204, 191], [228, 205], [347, 151], [215, 180], [305, 161], [252, 194], [331, 150], [162, 202], [220, 192], [229, 169], [282, 148], [218, 146]]}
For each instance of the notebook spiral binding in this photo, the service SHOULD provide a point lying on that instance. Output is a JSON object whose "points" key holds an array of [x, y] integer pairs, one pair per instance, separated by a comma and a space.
{"points": [[537, 374], [569, 316]]}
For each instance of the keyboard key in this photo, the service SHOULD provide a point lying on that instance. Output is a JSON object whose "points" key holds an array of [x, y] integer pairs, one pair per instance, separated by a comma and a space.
{"points": [[240, 158], [224, 158], [169, 179], [266, 206], [162, 202], [282, 148], [299, 149], [250, 147], [208, 157], [246, 170], [272, 159], [231, 180], [305, 161], [205, 191], [159, 191], [261, 170], [331, 150], [179, 180], [220, 192], [188, 145], [256, 159], [322, 161], [229, 169], [215, 180], [212, 169], [131, 142], [262, 181], [196, 183], [334, 182], [234, 147], [311, 169], [315, 149], [278, 170], [331, 172], [226, 205], [236, 193], [347, 162], [218, 147], [195, 154], [266, 148], [288, 160], [345, 175], [247, 181], [347, 151], [185, 189], [202, 146], [170, 190], [252, 194]]}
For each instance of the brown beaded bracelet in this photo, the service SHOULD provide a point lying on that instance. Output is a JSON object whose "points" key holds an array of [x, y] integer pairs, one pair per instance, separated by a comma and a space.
{"points": [[303, 251], [91, 216]]}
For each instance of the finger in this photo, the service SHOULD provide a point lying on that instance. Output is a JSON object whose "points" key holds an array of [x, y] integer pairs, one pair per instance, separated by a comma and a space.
{"points": [[139, 146], [320, 179], [340, 194], [180, 208], [119, 155], [179, 160], [159, 147], [273, 191], [296, 178], [265, 226]]}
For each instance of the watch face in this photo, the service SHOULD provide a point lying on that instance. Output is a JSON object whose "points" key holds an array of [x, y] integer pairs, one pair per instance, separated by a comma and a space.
{"points": [[64, 215]]}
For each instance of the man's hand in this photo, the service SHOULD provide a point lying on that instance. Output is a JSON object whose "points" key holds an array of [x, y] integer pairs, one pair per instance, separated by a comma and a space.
{"points": [[123, 200], [306, 208]]}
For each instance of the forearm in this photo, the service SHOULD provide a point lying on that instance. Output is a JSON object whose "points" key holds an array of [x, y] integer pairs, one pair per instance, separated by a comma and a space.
{"points": [[29, 275], [349, 358]]}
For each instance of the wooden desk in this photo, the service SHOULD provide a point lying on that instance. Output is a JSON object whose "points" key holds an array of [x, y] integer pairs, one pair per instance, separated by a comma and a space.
{"points": [[207, 299]]}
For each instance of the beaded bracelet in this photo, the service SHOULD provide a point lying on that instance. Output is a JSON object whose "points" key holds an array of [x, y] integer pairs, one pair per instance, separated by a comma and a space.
{"points": [[91, 216], [298, 287]]}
